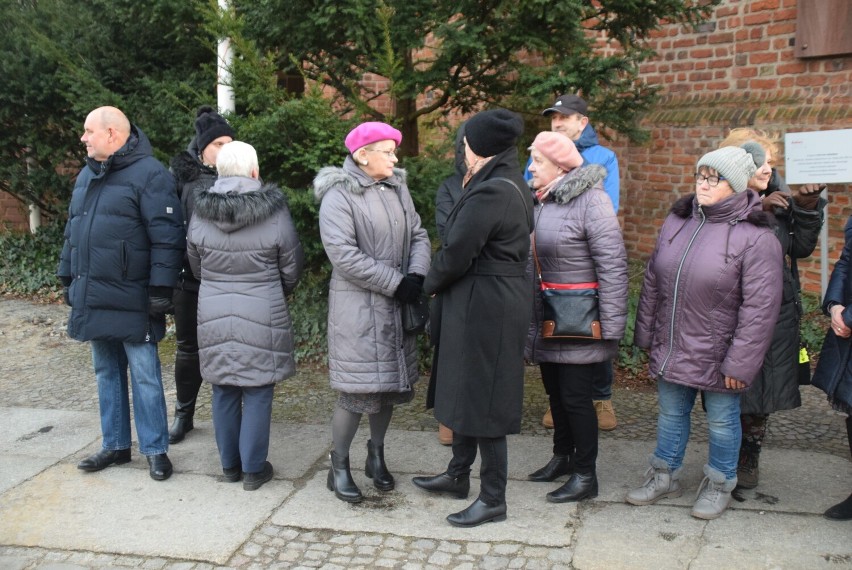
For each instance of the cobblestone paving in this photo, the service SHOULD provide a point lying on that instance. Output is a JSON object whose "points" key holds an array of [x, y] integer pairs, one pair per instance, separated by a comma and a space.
{"points": [[42, 368]]}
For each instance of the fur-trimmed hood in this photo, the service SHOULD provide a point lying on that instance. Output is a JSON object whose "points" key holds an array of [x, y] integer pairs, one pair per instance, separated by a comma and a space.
{"points": [[351, 178], [742, 207], [236, 201], [576, 182]]}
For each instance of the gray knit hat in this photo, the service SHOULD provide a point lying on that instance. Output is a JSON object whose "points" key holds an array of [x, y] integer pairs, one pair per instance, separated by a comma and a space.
{"points": [[735, 164]]}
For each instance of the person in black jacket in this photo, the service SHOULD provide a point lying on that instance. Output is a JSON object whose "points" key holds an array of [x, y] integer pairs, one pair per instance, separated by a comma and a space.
{"points": [[195, 170], [833, 374], [799, 217], [123, 246], [481, 318]]}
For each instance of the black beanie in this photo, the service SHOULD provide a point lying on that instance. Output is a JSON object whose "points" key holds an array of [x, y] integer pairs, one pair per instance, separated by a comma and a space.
{"points": [[209, 126], [491, 132]]}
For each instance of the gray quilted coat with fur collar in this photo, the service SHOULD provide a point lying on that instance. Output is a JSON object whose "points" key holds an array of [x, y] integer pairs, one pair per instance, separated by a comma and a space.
{"points": [[363, 224], [243, 246]]}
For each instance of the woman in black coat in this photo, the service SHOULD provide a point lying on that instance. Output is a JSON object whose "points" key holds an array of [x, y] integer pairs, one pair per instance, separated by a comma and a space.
{"points": [[799, 217], [479, 277], [833, 374]]}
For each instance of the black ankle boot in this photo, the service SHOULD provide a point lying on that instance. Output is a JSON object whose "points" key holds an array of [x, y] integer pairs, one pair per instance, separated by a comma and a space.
{"points": [[340, 480], [579, 486], [557, 466], [376, 469], [459, 487], [182, 424]]}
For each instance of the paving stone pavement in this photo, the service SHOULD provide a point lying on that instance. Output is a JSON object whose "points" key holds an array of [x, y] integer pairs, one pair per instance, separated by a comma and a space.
{"points": [[43, 369]]}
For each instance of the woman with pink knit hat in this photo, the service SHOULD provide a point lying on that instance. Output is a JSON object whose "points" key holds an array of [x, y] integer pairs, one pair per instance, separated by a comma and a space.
{"points": [[371, 233], [577, 240]]}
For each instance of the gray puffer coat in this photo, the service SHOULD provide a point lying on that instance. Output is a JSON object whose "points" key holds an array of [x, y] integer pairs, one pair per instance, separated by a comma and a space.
{"points": [[243, 246], [363, 224], [711, 293], [578, 240]]}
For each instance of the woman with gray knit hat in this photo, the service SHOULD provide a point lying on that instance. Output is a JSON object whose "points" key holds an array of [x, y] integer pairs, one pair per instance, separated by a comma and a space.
{"points": [[195, 172], [481, 317], [711, 288]]}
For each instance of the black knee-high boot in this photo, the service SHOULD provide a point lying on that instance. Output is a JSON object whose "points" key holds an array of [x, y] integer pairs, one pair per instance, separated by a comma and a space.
{"points": [[843, 511], [187, 383]]}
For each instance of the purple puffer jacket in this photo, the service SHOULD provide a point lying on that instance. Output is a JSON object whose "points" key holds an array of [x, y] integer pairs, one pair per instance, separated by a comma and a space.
{"points": [[711, 293]]}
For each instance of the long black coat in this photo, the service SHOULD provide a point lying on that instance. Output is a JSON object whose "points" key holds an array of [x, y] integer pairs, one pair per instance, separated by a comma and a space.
{"points": [[833, 373], [776, 387], [485, 297]]}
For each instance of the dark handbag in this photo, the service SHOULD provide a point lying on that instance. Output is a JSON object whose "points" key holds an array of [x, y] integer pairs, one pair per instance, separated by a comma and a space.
{"points": [[804, 365], [415, 316], [569, 310]]}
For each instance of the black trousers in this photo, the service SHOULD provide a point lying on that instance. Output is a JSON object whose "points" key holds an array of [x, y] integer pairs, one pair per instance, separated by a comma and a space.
{"points": [[494, 468], [570, 388], [187, 366]]}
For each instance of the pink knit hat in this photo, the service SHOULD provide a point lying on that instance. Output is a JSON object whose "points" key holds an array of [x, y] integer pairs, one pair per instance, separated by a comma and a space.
{"points": [[558, 149], [367, 133]]}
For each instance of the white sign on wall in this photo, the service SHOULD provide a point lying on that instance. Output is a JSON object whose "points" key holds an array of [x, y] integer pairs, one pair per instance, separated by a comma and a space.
{"points": [[818, 157]]}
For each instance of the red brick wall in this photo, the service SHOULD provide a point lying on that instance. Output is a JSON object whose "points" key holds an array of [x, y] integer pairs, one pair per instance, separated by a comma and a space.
{"points": [[13, 214], [738, 71]]}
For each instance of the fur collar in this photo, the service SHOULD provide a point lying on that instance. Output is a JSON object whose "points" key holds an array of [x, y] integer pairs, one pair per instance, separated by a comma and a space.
{"points": [[237, 208], [351, 179], [576, 182]]}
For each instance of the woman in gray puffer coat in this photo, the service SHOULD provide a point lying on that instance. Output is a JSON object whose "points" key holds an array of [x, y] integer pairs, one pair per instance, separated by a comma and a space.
{"points": [[367, 222], [577, 240], [711, 293], [243, 246]]}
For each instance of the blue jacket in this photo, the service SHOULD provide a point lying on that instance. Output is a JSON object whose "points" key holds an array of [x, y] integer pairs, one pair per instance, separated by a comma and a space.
{"points": [[594, 153], [124, 234]]}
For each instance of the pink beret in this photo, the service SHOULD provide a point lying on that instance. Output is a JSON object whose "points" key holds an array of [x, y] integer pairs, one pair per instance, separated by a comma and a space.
{"points": [[558, 149], [368, 133]]}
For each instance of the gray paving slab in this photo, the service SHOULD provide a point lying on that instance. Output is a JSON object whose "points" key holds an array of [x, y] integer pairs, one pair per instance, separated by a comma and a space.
{"points": [[121, 511]]}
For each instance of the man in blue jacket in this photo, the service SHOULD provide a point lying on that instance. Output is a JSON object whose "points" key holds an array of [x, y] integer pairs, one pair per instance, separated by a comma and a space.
{"points": [[124, 242], [569, 116]]}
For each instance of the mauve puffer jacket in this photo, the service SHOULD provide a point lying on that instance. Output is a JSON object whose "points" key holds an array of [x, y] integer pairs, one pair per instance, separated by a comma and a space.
{"points": [[578, 240], [711, 293]]}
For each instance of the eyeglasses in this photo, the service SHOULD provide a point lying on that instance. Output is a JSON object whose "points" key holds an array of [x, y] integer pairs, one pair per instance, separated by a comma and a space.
{"points": [[387, 153], [711, 180]]}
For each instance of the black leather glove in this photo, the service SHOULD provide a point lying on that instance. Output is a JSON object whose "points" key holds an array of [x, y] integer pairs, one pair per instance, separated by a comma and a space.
{"points": [[409, 289], [65, 296], [160, 302]]}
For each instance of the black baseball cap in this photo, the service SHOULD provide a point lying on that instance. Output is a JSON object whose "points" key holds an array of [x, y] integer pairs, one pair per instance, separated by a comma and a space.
{"points": [[568, 105]]}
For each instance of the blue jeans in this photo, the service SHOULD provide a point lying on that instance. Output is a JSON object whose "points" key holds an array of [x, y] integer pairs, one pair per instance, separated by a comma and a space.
{"points": [[602, 389], [111, 360], [241, 422], [673, 423]]}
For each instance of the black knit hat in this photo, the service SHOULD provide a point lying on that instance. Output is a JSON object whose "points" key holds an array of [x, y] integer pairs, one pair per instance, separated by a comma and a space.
{"points": [[209, 126], [491, 132]]}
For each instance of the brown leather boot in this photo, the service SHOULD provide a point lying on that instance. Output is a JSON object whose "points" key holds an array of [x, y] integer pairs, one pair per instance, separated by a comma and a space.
{"points": [[547, 420]]}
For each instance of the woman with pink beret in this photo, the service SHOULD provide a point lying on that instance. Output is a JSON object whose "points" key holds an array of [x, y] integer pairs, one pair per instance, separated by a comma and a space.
{"points": [[577, 241], [370, 232]]}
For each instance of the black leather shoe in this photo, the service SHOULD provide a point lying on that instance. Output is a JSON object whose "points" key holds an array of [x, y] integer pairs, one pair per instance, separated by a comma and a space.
{"points": [[104, 458], [254, 481], [159, 467], [840, 511], [477, 514], [459, 487], [558, 466], [231, 474], [580, 486], [376, 469]]}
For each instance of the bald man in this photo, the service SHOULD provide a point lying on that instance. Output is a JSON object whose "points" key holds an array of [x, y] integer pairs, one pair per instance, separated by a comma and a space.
{"points": [[124, 242]]}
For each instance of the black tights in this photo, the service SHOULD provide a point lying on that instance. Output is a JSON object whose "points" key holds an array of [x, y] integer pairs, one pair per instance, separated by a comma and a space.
{"points": [[344, 426]]}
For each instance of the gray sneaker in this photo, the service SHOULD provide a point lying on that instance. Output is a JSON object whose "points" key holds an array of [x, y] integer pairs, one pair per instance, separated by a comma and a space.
{"points": [[712, 499], [661, 483]]}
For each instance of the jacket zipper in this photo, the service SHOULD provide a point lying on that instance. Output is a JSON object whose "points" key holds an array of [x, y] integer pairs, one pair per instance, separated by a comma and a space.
{"points": [[676, 290], [123, 259]]}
